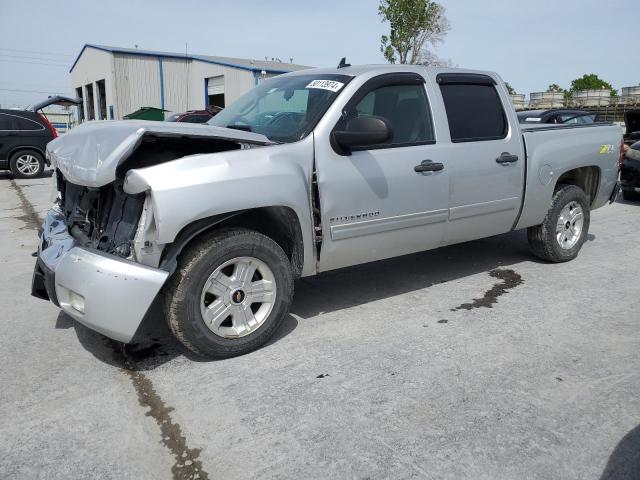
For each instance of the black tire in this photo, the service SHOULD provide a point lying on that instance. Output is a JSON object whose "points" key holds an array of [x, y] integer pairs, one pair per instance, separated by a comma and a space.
{"points": [[542, 238], [196, 264], [630, 195], [13, 164]]}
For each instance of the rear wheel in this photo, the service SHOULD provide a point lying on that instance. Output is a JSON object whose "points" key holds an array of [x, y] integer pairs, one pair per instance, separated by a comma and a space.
{"points": [[26, 164], [231, 292], [560, 236]]}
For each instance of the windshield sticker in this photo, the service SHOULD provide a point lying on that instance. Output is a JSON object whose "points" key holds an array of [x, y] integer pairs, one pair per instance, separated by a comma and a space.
{"points": [[532, 119], [330, 85]]}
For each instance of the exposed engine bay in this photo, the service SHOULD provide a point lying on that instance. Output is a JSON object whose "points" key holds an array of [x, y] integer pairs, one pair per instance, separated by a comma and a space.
{"points": [[106, 218]]}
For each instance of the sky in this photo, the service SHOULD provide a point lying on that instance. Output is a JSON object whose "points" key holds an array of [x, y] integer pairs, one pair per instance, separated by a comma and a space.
{"points": [[531, 44]]}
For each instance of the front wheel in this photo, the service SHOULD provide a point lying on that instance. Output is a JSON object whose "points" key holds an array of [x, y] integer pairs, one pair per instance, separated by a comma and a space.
{"points": [[231, 292], [565, 227]]}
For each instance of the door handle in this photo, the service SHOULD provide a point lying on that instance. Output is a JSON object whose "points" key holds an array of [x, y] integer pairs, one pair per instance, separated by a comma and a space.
{"points": [[428, 166], [506, 157]]}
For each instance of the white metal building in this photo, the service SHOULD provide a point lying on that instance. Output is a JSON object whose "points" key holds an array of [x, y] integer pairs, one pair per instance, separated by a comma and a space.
{"points": [[114, 82]]}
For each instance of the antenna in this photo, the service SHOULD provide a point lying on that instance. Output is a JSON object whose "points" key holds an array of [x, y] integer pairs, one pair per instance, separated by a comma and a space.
{"points": [[343, 63]]}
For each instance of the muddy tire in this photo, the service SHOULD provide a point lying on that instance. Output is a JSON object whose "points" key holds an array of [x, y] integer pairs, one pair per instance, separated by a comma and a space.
{"points": [[26, 164], [230, 293], [560, 236]]}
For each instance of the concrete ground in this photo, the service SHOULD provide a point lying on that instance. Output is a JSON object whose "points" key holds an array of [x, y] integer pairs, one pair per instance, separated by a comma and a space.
{"points": [[474, 361]]}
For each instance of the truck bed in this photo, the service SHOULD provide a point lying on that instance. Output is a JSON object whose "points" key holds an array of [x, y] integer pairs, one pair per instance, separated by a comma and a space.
{"points": [[552, 150]]}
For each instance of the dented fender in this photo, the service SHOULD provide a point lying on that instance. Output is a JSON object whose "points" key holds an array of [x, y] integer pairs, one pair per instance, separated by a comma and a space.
{"points": [[192, 188]]}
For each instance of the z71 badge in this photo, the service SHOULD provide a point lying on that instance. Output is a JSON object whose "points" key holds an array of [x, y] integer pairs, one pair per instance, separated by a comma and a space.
{"points": [[604, 149]]}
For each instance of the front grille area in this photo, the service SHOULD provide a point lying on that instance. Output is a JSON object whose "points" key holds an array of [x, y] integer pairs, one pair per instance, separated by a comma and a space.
{"points": [[104, 218]]}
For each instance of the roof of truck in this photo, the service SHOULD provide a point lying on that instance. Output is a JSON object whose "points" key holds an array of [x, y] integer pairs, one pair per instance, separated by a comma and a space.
{"points": [[356, 70]]}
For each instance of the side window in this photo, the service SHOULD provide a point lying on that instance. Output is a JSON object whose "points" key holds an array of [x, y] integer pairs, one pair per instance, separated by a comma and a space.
{"points": [[5, 122], [586, 119], [26, 124], [405, 107], [474, 112]]}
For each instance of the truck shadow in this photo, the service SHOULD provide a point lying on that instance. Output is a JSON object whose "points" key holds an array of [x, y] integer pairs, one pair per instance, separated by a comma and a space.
{"points": [[353, 286], [624, 462], [332, 291]]}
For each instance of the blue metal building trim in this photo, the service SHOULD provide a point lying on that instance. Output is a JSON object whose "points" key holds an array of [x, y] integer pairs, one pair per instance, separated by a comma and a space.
{"points": [[206, 93], [111, 112], [161, 83], [182, 57]]}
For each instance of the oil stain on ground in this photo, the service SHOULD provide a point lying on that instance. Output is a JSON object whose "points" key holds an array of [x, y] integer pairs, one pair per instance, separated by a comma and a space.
{"points": [[30, 217], [510, 279], [186, 464]]}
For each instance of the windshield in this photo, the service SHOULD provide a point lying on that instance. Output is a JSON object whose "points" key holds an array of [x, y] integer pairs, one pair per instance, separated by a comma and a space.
{"points": [[284, 109]]}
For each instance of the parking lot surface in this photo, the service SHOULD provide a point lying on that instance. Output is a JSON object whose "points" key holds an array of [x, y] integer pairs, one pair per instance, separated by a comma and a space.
{"points": [[472, 361]]}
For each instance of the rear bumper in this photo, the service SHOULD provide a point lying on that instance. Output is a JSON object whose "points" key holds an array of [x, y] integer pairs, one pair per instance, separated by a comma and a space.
{"points": [[106, 293]]}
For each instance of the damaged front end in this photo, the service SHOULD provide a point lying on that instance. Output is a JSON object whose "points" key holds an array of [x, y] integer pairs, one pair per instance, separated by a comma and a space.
{"points": [[102, 218], [97, 258]]}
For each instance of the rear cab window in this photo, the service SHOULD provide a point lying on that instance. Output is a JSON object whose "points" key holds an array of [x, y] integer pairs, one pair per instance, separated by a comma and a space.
{"points": [[474, 109]]}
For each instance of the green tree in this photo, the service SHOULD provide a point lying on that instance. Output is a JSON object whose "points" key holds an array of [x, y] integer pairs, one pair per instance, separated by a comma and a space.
{"points": [[510, 89], [554, 87], [415, 25], [591, 82]]}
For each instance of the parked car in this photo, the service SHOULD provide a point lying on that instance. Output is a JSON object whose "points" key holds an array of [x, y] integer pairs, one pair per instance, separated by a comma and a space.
{"points": [[559, 116], [630, 173], [308, 172], [194, 116], [632, 126], [24, 135]]}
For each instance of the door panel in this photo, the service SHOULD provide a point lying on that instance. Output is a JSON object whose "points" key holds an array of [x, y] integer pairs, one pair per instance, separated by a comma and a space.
{"points": [[374, 203], [485, 159], [375, 206]]}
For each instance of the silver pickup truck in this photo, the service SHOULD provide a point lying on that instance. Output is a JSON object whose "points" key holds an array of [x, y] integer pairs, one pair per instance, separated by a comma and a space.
{"points": [[308, 172]]}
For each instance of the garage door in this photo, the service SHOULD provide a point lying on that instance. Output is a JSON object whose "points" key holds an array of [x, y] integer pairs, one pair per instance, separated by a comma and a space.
{"points": [[215, 85]]}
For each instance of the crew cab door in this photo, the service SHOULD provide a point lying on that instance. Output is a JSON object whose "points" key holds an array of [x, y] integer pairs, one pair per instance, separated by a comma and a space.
{"points": [[485, 161], [373, 202]]}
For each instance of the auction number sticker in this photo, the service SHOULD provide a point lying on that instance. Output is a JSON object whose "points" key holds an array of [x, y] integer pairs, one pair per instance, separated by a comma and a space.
{"points": [[330, 85]]}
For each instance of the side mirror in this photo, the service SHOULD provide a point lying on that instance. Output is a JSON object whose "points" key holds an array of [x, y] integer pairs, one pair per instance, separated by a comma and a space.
{"points": [[360, 132]]}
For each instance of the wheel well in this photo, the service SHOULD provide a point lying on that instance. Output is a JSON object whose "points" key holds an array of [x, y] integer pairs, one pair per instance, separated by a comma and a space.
{"points": [[25, 149], [279, 223], [587, 178]]}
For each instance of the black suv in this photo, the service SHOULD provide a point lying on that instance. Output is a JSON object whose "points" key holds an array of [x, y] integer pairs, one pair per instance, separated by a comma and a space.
{"points": [[24, 135]]}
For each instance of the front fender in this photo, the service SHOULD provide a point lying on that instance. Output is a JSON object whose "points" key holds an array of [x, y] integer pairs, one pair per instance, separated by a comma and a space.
{"points": [[200, 186]]}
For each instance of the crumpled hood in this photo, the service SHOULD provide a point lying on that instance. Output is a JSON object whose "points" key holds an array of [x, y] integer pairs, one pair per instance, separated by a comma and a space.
{"points": [[90, 153]]}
